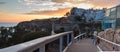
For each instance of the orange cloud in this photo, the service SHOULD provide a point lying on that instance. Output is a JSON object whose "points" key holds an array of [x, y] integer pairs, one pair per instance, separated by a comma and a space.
{"points": [[59, 12], [8, 17]]}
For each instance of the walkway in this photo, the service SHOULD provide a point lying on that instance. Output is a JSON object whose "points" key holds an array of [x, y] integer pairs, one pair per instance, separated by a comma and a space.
{"points": [[85, 45]]}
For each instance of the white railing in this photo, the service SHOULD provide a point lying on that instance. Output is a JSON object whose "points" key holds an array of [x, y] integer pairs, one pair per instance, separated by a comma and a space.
{"points": [[81, 35], [76, 39], [40, 43], [105, 40]]}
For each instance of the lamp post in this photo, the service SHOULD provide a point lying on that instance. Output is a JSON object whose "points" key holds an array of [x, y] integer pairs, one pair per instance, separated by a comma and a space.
{"points": [[52, 32], [53, 24], [0, 34], [92, 26]]}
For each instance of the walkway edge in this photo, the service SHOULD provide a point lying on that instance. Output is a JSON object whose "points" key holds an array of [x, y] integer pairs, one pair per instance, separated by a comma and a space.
{"points": [[99, 48], [67, 47]]}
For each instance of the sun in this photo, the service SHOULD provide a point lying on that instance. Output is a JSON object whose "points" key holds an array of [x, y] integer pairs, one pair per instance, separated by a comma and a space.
{"points": [[85, 6]]}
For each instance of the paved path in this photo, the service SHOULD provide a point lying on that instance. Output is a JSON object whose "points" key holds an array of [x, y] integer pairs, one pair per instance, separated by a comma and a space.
{"points": [[85, 45]]}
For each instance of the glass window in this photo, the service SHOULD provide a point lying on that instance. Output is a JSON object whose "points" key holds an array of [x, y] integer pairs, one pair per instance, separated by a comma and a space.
{"points": [[113, 13], [118, 12], [107, 13]]}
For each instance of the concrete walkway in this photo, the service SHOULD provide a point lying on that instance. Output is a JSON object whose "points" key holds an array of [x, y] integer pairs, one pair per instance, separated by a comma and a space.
{"points": [[85, 45]]}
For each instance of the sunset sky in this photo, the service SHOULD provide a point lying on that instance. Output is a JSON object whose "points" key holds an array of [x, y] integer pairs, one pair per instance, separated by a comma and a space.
{"points": [[25, 10]]}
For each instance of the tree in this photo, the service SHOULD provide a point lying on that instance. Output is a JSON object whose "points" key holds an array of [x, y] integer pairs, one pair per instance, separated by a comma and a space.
{"points": [[67, 14], [60, 30], [17, 37], [4, 41], [79, 18]]}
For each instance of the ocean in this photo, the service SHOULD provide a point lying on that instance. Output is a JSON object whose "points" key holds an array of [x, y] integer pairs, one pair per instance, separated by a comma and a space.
{"points": [[7, 24]]}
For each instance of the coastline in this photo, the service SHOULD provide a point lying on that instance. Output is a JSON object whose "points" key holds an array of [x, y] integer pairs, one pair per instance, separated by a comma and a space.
{"points": [[8, 24]]}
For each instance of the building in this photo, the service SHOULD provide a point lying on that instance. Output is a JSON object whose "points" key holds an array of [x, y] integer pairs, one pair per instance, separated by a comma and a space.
{"points": [[95, 14], [112, 18], [99, 15], [77, 11]]}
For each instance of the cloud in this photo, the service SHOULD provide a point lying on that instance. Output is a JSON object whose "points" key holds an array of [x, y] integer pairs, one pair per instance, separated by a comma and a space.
{"points": [[2, 2], [59, 12], [45, 5], [27, 1], [11, 17], [85, 6], [59, 1], [53, 5], [33, 1], [103, 3]]}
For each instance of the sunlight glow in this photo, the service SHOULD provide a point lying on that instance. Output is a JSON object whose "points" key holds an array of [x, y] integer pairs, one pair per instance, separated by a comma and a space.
{"points": [[10, 17]]}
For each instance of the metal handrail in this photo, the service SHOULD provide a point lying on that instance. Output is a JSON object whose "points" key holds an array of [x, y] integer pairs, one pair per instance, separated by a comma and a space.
{"points": [[37, 43], [105, 40], [79, 35], [108, 41]]}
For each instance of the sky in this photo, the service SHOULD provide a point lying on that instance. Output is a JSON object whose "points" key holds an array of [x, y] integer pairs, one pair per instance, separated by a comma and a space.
{"points": [[25, 10]]}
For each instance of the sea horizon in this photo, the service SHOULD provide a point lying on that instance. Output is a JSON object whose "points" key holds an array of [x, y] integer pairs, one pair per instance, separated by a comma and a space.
{"points": [[8, 24]]}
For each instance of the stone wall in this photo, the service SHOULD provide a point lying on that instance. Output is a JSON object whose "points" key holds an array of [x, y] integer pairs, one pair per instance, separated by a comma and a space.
{"points": [[111, 35]]}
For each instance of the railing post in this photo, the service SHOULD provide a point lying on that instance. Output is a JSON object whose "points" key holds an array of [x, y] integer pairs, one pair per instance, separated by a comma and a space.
{"points": [[103, 45], [79, 38], [95, 40], [67, 39], [72, 37], [84, 36], [60, 44], [115, 48], [42, 49]]}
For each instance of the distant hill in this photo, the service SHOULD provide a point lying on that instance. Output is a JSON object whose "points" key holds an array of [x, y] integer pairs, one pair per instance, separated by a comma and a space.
{"points": [[34, 25]]}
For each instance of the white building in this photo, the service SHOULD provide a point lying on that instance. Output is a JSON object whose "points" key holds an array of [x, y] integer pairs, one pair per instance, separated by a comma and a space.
{"points": [[99, 16], [96, 15]]}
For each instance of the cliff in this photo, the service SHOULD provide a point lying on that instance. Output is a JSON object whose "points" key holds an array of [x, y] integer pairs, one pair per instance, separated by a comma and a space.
{"points": [[35, 25]]}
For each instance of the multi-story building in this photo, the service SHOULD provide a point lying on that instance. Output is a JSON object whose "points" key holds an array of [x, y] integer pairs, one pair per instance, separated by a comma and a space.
{"points": [[97, 15], [112, 18], [77, 11]]}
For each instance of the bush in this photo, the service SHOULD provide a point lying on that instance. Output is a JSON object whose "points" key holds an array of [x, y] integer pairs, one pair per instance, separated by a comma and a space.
{"points": [[34, 35]]}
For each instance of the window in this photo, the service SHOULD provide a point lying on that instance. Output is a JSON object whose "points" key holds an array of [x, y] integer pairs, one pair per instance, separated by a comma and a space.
{"points": [[118, 12], [107, 14], [113, 13]]}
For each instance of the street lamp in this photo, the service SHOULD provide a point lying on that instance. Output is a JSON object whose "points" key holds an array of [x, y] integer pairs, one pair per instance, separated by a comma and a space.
{"points": [[0, 34], [0, 31], [53, 24], [13, 30]]}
